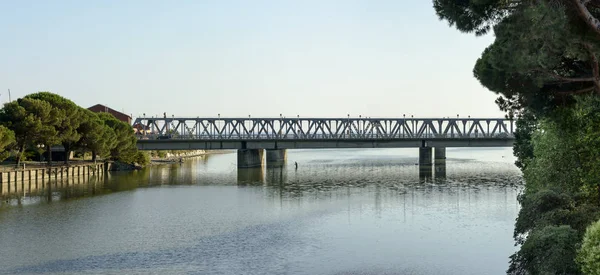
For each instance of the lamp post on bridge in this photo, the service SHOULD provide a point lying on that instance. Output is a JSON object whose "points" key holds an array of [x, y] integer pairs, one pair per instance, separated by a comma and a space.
{"points": [[412, 121], [360, 132], [403, 124], [348, 126], [469, 123]]}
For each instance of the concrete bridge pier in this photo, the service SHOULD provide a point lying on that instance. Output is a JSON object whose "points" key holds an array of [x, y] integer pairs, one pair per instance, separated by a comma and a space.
{"points": [[276, 157], [439, 156], [425, 156], [250, 163], [250, 158], [425, 163]]}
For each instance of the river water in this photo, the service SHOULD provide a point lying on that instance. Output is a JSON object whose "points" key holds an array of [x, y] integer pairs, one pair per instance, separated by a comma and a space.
{"points": [[340, 212]]}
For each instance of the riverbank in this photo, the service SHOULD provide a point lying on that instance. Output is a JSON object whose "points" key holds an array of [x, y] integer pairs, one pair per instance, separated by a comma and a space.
{"points": [[169, 157], [174, 157], [12, 181]]}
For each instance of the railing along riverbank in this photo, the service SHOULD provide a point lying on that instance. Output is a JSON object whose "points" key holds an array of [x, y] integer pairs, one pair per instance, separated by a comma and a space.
{"points": [[12, 181]]}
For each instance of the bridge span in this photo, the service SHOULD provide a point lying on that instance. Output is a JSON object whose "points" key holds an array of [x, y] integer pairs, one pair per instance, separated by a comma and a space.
{"points": [[251, 135]]}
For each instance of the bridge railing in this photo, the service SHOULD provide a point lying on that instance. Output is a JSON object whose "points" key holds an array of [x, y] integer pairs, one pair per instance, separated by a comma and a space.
{"points": [[330, 128]]}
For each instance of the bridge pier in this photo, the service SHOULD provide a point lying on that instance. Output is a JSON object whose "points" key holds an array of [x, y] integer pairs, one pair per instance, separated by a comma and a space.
{"points": [[250, 158], [439, 156], [276, 157], [425, 163], [425, 156]]}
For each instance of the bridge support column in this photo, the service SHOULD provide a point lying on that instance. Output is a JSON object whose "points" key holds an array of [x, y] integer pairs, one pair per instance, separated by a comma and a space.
{"points": [[250, 158], [439, 156], [439, 153], [425, 156], [276, 157], [425, 163]]}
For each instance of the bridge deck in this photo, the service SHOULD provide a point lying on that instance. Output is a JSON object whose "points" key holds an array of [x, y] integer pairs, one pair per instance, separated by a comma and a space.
{"points": [[196, 144]]}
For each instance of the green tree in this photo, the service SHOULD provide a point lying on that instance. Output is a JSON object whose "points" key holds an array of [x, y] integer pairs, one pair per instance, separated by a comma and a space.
{"points": [[561, 176], [566, 150], [550, 250], [32, 121], [7, 138], [142, 158], [545, 54], [71, 117], [526, 125], [95, 135], [588, 256], [548, 207], [544, 51], [124, 148]]}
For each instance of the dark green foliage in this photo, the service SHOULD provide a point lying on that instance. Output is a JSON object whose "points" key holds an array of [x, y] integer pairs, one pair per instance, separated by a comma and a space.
{"points": [[544, 52], [71, 116], [32, 121], [125, 149], [7, 138], [526, 125], [96, 136], [470, 16], [548, 207], [49, 119], [561, 173], [550, 250], [545, 55], [142, 158], [588, 256]]}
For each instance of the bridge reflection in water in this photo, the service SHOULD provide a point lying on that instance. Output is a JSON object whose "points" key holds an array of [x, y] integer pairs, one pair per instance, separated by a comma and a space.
{"points": [[277, 175], [285, 178]]}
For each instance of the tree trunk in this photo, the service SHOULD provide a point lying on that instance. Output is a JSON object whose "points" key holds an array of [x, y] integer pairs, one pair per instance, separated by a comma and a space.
{"points": [[587, 16], [67, 152], [595, 66], [19, 154], [49, 154], [94, 156]]}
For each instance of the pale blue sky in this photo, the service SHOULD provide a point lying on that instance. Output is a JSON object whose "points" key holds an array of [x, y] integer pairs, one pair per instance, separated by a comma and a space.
{"points": [[378, 58]]}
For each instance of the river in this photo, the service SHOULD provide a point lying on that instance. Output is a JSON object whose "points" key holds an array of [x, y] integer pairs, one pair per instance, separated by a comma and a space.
{"points": [[341, 212]]}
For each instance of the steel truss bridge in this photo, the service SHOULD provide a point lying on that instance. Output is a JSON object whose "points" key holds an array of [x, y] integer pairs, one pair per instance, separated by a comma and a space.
{"points": [[303, 133]]}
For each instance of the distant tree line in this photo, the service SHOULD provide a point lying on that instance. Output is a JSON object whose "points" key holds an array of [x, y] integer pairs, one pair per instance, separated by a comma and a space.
{"points": [[42, 120]]}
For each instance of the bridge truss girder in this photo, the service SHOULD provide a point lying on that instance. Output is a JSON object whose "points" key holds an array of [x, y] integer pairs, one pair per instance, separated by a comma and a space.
{"points": [[322, 128]]}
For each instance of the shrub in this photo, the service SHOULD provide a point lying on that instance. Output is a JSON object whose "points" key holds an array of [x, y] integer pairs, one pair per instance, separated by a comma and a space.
{"points": [[588, 256], [142, 158], [549, 250]]}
